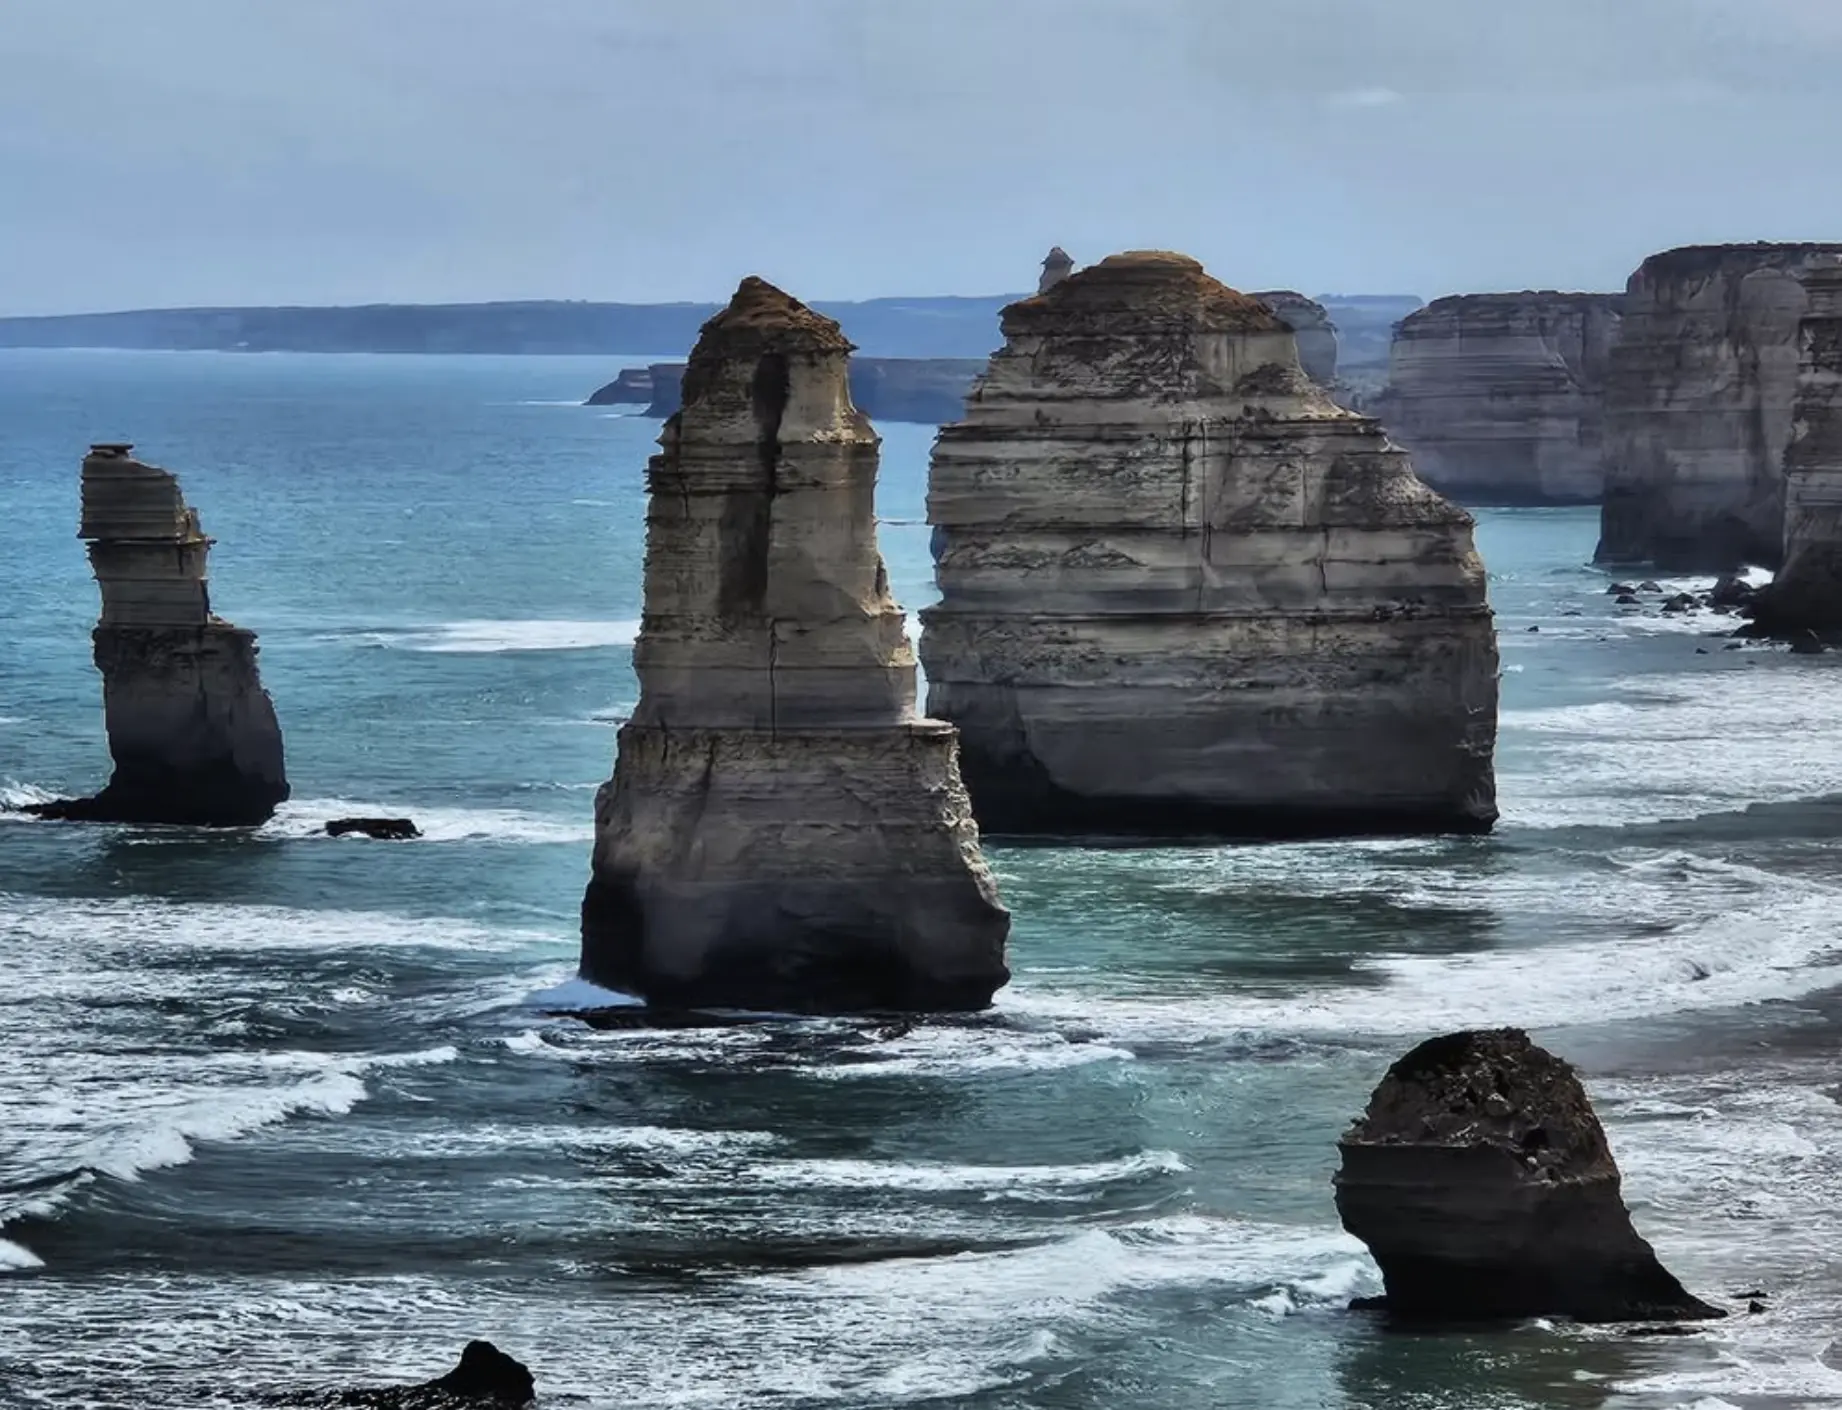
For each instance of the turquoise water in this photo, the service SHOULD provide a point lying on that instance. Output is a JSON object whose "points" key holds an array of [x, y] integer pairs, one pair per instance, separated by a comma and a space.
{"points": [[283, 1111]]}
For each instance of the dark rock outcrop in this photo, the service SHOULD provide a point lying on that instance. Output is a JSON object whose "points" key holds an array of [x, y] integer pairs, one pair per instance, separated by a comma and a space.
{"points": [[1482, 1183], [1500, 398], [384, 829], [193, 734], [485, 1379], [1699, 404], [1184, 592], [928, 391], [782, 830], [633, 387], [1312, 330]]}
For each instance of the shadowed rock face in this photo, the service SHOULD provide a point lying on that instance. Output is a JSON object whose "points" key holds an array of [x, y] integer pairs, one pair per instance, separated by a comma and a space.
{"points": [[1807, 593], [192, 732], [782, 830], [1481, 1181], [1500, 397], [1699, 406], [1185, 593], [1313, 331]]}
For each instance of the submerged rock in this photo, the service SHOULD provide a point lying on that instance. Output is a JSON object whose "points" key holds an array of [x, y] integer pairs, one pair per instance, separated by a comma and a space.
{"points": [[1500, 398], [1482, 1183], [384, 829], [1312, 329], [192, 732], [1699, 406], [1806, 594], [782, 830], [1183, 592]]}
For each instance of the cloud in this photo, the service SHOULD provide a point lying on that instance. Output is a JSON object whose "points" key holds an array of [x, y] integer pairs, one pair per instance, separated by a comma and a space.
{"points": [[1366, 98]]}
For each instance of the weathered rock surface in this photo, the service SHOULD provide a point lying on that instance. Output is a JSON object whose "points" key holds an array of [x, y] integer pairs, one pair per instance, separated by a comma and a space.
{"points": [[1500, 398], [1057, 266], [1482, 1183], [1312, 330], [1699, 406], [193, 734], [1183, 592], [632, 387], [927, 390], [1806, 595], [782, 830]]}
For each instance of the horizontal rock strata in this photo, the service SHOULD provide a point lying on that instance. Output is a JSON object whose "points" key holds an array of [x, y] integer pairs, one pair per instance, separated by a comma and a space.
{"points": [[1182, 592], [1500, 398], [1483, 1184], [1312, 330], [1699, 406], [1806, 595], [782, 830], [192, 732], [924, 390], [633, 387]]}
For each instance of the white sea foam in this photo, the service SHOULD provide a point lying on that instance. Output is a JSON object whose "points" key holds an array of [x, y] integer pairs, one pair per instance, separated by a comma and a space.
{"points": [[926, 1176], [14, 1257], [489, 637], [579, 994], [307, 817]]}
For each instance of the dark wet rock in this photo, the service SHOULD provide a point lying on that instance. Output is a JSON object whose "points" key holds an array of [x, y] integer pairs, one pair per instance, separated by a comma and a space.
{"points": [[1620, 590], [1732, 591], [1534, 629], [1681, 602], [485, 1377], [1675, 1330], [1625, 599], [1807, 643], [1482, 1183], [1701, 651], [1754, 1307], [1648, 586], [384, 829]]}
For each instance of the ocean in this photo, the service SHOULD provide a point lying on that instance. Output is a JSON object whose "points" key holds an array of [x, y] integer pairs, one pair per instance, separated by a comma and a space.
{"points": [[283, 1112]]}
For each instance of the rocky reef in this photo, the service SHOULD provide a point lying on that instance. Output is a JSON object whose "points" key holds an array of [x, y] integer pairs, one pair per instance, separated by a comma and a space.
{"points": [[1184, 593], [1699, 406], [927, 390], [782, 830], [192, 732], [1312, 329], [1500, 398], [1806, 595], [1482, 1183]]}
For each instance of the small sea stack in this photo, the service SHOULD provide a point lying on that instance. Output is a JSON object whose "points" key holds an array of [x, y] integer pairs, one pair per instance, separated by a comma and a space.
{"points": [[1057, 266], [192, 732], [1699, 404], [1806, 595], [782, 830], [1184, 593], [1482, 1183], [1500, 398]]}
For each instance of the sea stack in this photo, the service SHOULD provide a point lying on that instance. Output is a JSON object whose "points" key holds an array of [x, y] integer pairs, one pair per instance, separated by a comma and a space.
{"points": [[1482, 1183], [1699, 405], [1312, 329], [782, 830], [1057, 266], [1500, 398], [1806, 596], [193, 733], [1184, 593]]}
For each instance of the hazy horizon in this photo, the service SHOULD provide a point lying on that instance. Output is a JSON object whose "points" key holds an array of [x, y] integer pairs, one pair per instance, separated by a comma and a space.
{"points": [[458, 151]]}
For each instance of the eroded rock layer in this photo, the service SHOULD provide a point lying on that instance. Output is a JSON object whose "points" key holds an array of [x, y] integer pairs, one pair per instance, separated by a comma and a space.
{"points": [[1806, 595], [192, 732], [1699, 406], [1482, 1183], [782, 830], [1312, 330], [1500, 398], [1182, 592]]}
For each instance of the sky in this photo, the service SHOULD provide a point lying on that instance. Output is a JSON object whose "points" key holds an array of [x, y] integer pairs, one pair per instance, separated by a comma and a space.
{"points": [[174, 152]]}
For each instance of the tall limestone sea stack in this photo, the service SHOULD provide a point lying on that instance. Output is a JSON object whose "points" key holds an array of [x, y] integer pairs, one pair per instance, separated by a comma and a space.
{"points": [[192, 731], [1699, 406], [1500, 398], [1806, 595], [782, 830], [1183, 592]]}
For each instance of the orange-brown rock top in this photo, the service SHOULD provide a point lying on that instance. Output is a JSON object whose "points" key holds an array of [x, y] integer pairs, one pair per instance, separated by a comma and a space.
{"points": [[1141, 291]]}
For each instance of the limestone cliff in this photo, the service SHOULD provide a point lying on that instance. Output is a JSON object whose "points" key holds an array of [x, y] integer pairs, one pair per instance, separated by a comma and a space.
{"points": [[928, 390], [1315, 334], [1499, 398], [1184, 592], [1806, 595], [782, 830], [632, 387], [192, 731], [1698, 406]]}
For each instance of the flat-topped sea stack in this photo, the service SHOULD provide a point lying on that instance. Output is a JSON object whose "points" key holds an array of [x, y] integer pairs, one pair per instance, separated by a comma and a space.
{"points": [[1806, 595], [1699, 405], [1483, 1184], [1500, 398], [1185, 593], [782, 830], [1312, 329], [192, 732]]}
